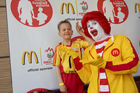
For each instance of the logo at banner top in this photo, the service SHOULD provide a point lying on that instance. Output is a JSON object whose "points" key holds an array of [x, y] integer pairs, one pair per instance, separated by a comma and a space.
{"points": [[84, 7], [33, 13], [137, 7], [29, 56], [115, 52], [67, 8], [116, 11]]}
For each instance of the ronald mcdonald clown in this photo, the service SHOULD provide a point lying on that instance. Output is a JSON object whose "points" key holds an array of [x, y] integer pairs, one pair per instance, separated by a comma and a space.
{"points": [[109, 63]]}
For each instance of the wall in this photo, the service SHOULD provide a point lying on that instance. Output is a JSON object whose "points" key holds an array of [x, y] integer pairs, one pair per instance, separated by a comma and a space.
{"points": [[5, 73]]}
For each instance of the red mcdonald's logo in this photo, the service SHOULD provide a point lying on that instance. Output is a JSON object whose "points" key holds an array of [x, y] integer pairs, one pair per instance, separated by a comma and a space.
{"points": [[115, 52]]}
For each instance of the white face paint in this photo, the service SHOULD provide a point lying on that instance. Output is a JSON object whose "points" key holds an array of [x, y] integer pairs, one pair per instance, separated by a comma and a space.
{"points": [[96, 31]]}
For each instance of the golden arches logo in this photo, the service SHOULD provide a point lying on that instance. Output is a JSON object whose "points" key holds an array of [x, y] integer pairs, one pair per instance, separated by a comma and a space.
{"points": [[67, 8], [137, 7], [29, 56], [115, 52]]}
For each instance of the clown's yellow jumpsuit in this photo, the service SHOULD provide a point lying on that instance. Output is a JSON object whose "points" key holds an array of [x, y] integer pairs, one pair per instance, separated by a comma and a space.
{"points": [[120, 60]]}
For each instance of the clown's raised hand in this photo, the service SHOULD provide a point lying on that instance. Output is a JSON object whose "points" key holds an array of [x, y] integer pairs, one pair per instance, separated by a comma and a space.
{"points": [[79, 29]]}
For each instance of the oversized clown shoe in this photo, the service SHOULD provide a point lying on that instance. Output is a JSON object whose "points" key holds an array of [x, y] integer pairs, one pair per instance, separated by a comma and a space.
{"points": [[109, 63]]}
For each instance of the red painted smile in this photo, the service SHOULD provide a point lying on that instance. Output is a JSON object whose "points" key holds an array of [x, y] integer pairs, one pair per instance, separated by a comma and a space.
{"points": [[94, 32]]}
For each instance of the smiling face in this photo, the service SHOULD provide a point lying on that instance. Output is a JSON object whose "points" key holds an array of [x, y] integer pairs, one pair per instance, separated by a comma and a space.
{"points": [[95, 30], [65, 31]]}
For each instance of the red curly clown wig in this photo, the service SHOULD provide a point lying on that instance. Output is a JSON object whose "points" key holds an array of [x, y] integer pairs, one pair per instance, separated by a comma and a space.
{"points": [[97, 16]]}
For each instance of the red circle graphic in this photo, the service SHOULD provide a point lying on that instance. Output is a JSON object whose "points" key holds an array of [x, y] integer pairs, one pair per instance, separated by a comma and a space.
{"points": [[115, 52], [33, 13], [116, 11]]}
